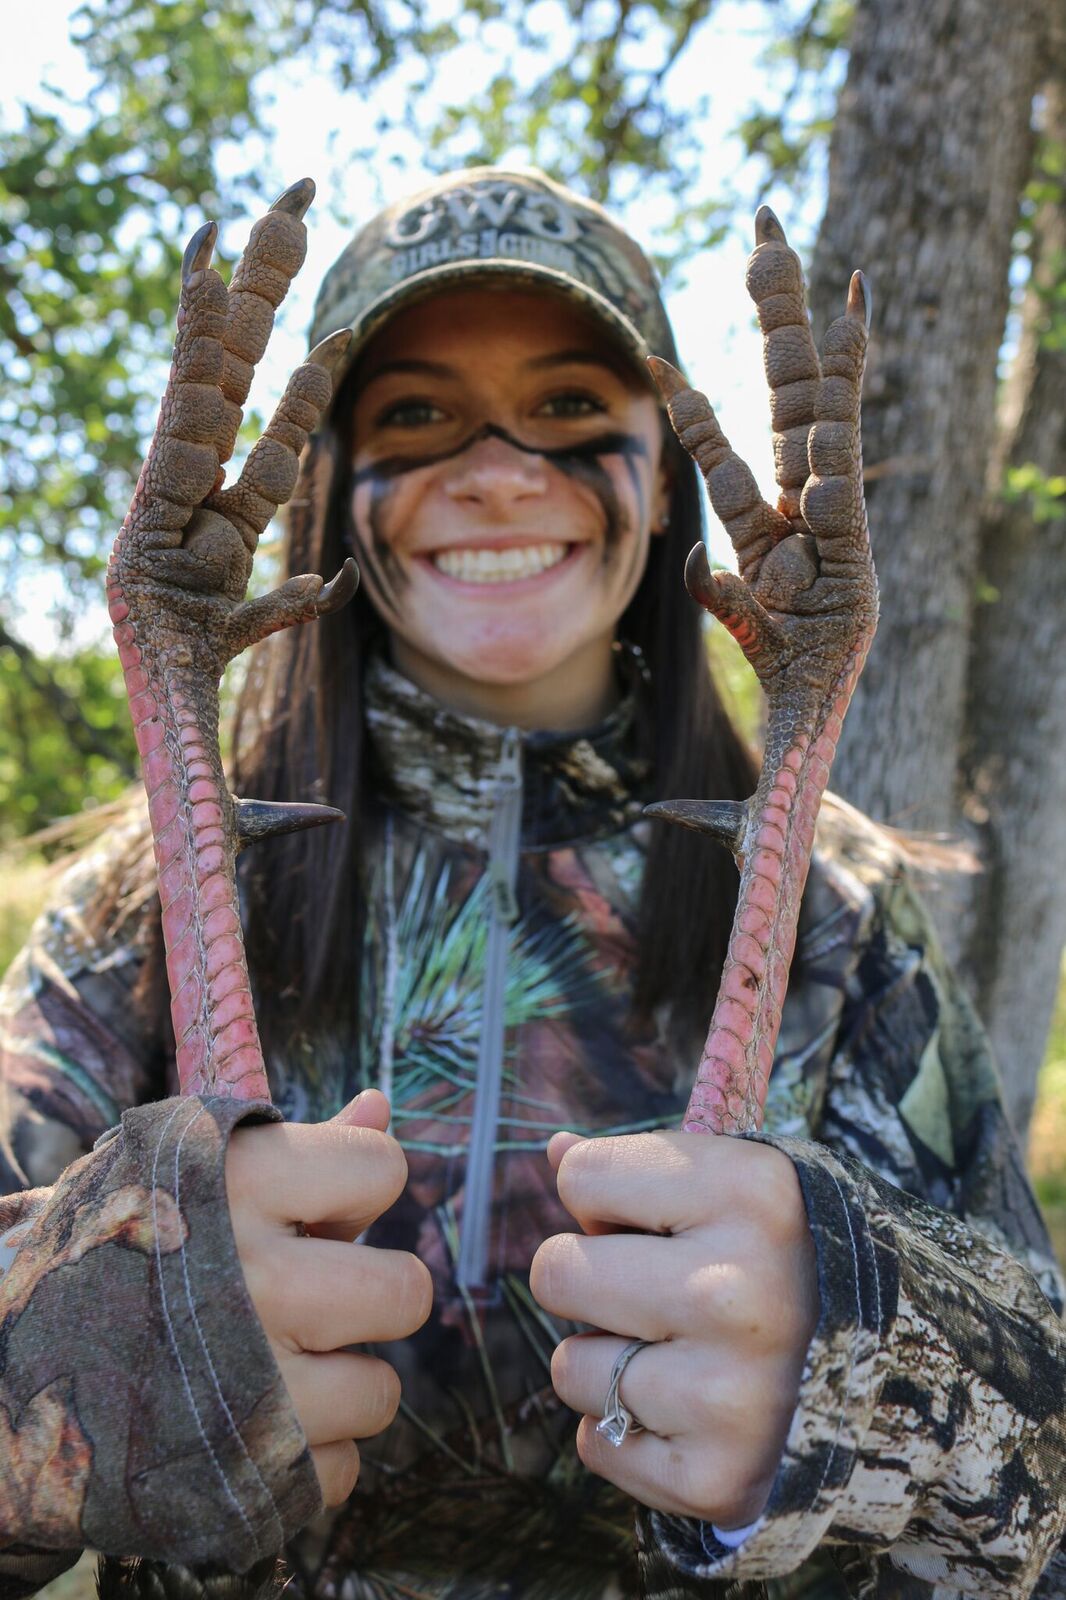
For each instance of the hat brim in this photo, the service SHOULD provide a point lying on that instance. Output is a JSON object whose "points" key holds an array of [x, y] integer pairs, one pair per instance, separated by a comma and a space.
{"points": [[495, 271]]}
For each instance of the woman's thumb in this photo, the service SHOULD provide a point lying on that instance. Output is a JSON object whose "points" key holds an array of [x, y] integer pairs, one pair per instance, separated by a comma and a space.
{"points": [[368, 1110]]}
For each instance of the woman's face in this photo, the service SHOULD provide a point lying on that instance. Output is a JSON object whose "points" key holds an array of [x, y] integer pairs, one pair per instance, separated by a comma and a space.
{"points": [[506, 481]]}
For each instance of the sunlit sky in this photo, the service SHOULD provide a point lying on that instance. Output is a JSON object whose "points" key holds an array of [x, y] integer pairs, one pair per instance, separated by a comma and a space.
{"points": [[314, 130]]}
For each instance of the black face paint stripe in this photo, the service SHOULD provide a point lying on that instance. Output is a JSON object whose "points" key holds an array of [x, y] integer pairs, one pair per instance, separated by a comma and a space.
{"points": [[629, 446], [582, 462], [383, 571]]}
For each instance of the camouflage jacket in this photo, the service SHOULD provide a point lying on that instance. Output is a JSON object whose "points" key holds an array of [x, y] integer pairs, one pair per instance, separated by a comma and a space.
{"points": [[926, 1456]]}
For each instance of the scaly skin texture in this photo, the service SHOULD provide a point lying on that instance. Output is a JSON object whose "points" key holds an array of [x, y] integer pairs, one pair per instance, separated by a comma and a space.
{"points": [[176, 584], [803, 610]]}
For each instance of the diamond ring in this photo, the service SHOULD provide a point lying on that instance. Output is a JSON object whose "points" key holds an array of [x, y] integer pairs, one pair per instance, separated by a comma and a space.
{"points": [[618, 1421]]}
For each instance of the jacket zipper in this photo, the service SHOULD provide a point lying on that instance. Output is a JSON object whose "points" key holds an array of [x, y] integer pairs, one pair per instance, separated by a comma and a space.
{"points": [[502, 871]]}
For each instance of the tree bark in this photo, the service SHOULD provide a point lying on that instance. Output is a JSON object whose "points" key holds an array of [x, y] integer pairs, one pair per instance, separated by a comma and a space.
{"points": [[930, 149], [1014, 749], [959, 723]]}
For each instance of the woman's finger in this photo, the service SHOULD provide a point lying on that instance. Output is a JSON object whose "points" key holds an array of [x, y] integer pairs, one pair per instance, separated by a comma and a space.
{"points": [[326, 1172], [319, 1294], [337, 1468], [639, 1288], [369, 1109], [681, 1389], [581, 1372], [756, 1300], [687, 1481], [669, 1183], [340, 1395]]}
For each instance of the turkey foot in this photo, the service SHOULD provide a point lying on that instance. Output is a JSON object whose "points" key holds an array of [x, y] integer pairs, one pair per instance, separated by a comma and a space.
{"points": [[803, 610], [176, 586]]}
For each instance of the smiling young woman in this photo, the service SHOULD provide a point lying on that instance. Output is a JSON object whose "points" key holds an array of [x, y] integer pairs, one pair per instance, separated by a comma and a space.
{"points": [[507, 478], [833, 1372], [497, 398]]}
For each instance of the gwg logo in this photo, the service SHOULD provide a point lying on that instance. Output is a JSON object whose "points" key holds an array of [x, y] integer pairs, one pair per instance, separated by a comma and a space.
{"points": [[497, 206]]}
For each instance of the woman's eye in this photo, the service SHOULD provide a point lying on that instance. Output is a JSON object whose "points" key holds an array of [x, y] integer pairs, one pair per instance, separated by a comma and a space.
{"points": [[572, 405], [410, 414]]}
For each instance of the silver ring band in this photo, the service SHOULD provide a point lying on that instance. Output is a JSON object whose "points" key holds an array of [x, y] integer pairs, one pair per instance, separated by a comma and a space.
{"points": [[618, 1421]]}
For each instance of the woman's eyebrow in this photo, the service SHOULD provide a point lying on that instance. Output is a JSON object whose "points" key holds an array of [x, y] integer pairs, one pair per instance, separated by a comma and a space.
{"points": [[411, 368], [581, 358]]}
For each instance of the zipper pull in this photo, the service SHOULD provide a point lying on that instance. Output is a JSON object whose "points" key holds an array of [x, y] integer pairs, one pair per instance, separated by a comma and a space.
{"points": [[507, 816], [504, 903]]}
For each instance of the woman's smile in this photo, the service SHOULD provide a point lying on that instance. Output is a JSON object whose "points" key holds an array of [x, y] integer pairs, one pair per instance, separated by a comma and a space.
{"points": [[506, 483], [479, 566]]}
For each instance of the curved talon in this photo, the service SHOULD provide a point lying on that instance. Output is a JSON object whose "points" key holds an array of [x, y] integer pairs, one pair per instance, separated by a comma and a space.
{"points": [[199, 250], [296, 199], [330, 351], [860, 300], [727, 597], [666, 377], [699, 580], [339, 590], [768, 229], [724, 820], [266, 819]]}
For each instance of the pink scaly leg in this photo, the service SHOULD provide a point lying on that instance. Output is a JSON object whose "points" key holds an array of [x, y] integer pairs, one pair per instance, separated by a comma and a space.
{"points": [[804, 610], [176, 584]]}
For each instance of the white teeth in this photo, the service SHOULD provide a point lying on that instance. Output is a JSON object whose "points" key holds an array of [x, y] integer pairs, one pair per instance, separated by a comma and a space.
{"points": [[499, 566]]}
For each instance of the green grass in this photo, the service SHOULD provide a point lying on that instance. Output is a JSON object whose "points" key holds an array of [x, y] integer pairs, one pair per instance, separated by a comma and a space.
{"points": [[23, 888]]}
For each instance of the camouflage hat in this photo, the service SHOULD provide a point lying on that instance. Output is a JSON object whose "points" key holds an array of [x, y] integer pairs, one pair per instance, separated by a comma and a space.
{"points": [[490, 223]]}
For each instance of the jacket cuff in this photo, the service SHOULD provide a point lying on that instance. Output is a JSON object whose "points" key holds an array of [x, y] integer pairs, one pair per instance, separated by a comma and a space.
{"points": [[130, 1336], [846, 1365]]}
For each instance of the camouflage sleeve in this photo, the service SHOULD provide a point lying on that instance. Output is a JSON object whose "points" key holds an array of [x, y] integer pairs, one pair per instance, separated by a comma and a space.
{"points": [[141, 1409], [927, 1455], [929, 1441], [78, 1042]]}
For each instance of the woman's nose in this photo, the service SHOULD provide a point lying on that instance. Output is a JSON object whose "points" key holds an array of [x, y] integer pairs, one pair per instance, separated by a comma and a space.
{"points": [[496, 473]]}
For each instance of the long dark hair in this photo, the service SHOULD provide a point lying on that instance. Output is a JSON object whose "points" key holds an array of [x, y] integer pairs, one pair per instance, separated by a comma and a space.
{"points": [[300, 736]]}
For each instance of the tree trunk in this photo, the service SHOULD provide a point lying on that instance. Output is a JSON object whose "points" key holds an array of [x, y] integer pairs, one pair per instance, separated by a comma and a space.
{"points": [[1014, 752], [931, 147], [959, 723]]}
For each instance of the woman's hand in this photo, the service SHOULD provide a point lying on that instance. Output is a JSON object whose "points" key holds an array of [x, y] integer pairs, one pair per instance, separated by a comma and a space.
{"points": [[700, 1245], [299, 1195]]}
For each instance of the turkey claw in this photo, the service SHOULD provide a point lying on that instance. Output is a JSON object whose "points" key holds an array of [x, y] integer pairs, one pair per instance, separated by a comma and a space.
{"points": [[335, 594]]}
